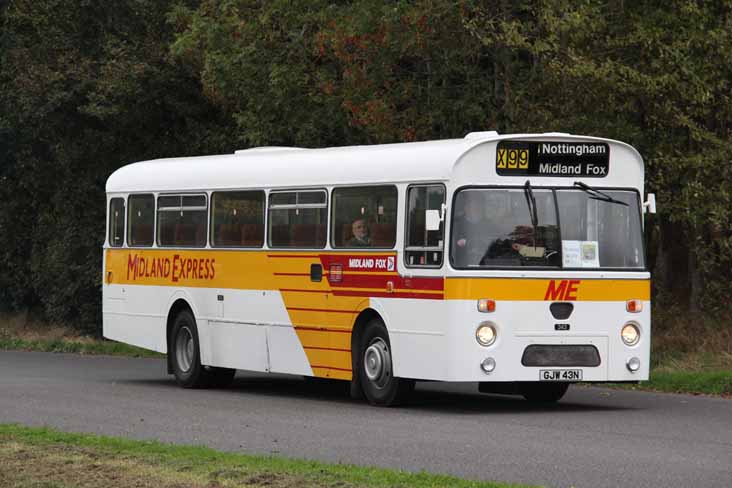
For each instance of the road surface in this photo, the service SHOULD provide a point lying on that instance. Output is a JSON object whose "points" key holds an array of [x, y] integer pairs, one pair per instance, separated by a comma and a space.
{"points": [[593, 438]]}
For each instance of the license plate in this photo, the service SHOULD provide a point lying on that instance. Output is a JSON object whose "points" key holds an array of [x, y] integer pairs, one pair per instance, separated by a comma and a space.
{"points": [[560, 375]]}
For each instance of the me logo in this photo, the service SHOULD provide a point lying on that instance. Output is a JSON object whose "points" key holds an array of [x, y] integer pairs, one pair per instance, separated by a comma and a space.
{"points": [[564, 290], [513, 159], [390, 263]]}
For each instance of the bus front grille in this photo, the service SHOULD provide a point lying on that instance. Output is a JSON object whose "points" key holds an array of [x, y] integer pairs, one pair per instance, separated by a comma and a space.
{"points": [[560, 355]]}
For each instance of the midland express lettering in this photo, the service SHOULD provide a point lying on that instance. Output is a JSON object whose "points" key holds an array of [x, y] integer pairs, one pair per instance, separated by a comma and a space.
{"points": [[177, 268]]}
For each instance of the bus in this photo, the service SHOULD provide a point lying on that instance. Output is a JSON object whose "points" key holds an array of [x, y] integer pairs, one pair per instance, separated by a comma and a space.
{"points": [[513, 261]]}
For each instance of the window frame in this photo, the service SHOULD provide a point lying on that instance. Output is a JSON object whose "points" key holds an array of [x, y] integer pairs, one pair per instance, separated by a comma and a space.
{"points": [[406, 247], [553, 189], [155, 221], [332, 217], [295, 206], [211, 242], [180, 209], [124, 223]]}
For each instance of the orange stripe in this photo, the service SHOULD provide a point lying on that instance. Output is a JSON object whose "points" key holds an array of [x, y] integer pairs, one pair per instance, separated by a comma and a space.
{"points": [[326, 349], [540, 289], [303, 291], [293, 255], [320, 310], [321, 329], [329, 367], [291, 274]]}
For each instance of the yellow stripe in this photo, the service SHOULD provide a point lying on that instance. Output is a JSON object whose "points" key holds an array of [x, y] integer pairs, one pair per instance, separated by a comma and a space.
{"points": [[322, 319], [521, 289], [316, 338], [323, 301]]}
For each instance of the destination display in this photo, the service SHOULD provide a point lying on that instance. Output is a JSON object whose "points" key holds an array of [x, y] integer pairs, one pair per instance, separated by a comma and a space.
{"points": [[537, 158]]}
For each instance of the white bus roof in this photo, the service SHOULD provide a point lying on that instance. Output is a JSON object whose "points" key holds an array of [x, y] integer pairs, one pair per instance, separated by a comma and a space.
{"points": [[296, 167]]}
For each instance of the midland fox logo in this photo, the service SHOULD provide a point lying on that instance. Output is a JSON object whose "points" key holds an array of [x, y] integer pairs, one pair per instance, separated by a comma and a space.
{"points": [[176, 268], [368, 263], [564, 290]]}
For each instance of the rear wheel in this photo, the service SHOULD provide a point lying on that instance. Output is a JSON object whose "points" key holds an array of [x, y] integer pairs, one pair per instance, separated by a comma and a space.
{"points": [[375, 368], [186, 352], [544, 392]]}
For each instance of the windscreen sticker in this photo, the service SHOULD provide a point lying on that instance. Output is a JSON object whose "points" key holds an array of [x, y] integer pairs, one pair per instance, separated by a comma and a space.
{"points": [[580, 254]]}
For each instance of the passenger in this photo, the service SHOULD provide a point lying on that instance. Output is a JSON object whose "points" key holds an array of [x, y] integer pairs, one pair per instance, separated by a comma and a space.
{"points": [[361, 236]]}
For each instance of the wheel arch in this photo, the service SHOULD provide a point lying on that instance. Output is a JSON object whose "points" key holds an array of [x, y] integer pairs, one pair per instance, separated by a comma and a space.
{"points": [[364, 317], [178, 303]]}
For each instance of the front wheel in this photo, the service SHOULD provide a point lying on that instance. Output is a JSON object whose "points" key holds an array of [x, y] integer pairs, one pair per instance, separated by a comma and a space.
{"points": [[544, 392], [185, 349], [375, 368]]}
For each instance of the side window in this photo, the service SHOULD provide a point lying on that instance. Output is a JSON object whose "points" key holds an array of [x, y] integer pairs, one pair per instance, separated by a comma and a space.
{"points": [[364, 217], [141, 221], [298, 219], [116, 222], [237, 219], [182, 220], [425, 225]]}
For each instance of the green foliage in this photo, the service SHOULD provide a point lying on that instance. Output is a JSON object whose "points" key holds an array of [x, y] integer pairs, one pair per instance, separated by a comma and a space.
{"points": [[84, 89], [256, 61], [88, 87]]}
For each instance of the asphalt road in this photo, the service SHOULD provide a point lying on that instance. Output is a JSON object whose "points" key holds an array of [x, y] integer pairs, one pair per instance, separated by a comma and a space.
{"points": [[593, 438]]}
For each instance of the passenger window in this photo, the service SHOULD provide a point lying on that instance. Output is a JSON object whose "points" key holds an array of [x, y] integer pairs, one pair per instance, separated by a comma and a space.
{"points": [[141, 220], [425, 225], [298, 219], [182, 220], [364, 217], [237, 219], [116, 222]]}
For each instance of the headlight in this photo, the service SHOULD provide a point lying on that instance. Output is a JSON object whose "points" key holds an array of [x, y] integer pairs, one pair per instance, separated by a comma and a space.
{"points": [[486, 334], [630, 334]]}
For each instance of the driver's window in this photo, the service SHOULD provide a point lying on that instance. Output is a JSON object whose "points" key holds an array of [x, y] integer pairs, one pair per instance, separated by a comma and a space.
{"points": [[425, 226]]}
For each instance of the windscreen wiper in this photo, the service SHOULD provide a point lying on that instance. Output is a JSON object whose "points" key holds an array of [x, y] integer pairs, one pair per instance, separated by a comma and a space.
{"points": [[531, 202], [597, 194]]}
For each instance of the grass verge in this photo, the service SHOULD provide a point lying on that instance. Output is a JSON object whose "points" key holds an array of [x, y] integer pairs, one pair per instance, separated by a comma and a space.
{"points": [[693, 382], [20, 333], [92, 346], [35, 457]]}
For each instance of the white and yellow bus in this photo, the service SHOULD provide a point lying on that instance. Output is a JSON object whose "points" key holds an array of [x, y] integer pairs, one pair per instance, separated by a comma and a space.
{"points": [[514, 261]]}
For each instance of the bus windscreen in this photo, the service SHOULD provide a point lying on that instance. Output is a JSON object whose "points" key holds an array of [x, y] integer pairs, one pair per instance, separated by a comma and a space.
{"points": [[543, 227]]}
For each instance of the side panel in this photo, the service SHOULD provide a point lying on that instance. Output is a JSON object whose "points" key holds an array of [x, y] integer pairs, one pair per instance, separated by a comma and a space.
{"points": [[256, 310], [261, 311]]}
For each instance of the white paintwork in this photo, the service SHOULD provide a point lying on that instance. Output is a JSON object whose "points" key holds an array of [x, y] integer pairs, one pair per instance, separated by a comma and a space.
{"points": [[386, 163], [438, 342], [435, 340]]}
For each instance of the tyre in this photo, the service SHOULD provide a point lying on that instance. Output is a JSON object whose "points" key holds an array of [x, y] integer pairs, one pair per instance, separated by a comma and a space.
{"points": [[186, 357], [375, 370], [544, 392]]}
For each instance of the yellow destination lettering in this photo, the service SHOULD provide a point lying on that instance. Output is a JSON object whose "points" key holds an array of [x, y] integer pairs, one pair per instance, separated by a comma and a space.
{"points": [[501, 159]]}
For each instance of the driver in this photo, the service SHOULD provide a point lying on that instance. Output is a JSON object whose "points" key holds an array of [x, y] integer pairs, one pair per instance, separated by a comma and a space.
{"points": [[469, 231]]}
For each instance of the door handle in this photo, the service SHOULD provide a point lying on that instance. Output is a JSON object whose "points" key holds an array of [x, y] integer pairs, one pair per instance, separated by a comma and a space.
{"points": [[109, 277], [316, 272]]}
